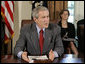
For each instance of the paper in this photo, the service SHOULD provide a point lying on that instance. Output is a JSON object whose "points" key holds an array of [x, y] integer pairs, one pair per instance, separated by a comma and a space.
{"points": [[44, 57], [31, 61]]}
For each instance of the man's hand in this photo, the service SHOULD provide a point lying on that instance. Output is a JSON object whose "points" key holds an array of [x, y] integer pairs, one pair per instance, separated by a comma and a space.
{"points": [[51, 55], [24, 56]]}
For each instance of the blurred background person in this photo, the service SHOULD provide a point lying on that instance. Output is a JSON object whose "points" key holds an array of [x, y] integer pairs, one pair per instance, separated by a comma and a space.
{"points": [[67, 31]]}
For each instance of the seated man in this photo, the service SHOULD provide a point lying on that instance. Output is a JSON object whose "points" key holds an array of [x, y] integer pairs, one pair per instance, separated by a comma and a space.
{"points": [[40, 37]]}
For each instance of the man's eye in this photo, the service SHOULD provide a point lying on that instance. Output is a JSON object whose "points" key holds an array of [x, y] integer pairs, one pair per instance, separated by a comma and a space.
{"points": [[43, 17], [47, 16]]}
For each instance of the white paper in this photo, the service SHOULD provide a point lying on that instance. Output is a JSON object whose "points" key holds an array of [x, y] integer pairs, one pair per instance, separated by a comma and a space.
{"points": [[44, 57], [31, 61]]}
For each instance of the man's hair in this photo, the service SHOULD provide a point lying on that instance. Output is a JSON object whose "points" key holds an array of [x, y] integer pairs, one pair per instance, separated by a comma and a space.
{"points": [[63, 11], [37, 9]]}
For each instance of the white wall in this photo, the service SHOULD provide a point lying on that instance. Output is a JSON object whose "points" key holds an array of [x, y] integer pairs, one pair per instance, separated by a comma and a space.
{"points": [[16, 23], [24, 11], [79, 11]]}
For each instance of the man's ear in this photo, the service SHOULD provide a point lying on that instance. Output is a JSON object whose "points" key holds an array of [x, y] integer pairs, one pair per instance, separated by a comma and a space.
{"points": [[34, 19]]}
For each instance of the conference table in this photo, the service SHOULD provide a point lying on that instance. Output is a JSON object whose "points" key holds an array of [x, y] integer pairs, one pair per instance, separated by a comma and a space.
{"points": [[65, 58]]}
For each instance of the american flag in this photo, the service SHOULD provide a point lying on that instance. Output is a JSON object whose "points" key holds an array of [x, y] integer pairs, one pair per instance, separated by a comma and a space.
{"points": [[7, 9]]}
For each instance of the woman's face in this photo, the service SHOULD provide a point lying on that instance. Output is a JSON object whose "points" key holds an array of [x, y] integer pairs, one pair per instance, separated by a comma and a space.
{"points": [[64, 16]]}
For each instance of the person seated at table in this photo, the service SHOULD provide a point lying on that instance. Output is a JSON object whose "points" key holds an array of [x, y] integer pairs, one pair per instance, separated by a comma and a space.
{"points": [[40, 37], [67, 31]]}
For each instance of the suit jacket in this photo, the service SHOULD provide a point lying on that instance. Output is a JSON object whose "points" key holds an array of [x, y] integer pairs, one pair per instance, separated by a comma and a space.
{"points": [[29, 40]]}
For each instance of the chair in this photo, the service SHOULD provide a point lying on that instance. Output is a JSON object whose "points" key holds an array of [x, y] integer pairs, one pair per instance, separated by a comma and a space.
{"points": [[31, 21], [26, 22]]}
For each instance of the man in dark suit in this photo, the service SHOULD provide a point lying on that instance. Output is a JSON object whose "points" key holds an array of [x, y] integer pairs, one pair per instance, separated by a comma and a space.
{"points": [[31, 37]]}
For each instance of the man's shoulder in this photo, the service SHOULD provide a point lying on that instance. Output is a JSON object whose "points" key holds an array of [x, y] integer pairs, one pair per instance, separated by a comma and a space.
{"points": [[54, 25]]}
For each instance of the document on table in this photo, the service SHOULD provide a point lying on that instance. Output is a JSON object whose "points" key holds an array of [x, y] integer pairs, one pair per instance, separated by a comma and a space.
{"points": [[44, 57]]}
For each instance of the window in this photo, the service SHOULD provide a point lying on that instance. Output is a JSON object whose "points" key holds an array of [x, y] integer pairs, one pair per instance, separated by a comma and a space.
{"points": [[71, 10]]}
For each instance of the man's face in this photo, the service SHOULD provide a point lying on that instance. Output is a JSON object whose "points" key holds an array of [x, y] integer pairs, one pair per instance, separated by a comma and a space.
{"points": [[43, 19]]}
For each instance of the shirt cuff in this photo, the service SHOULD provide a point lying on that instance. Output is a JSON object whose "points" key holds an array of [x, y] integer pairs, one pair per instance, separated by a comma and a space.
{"points": [[19, 54], [55, 54]]}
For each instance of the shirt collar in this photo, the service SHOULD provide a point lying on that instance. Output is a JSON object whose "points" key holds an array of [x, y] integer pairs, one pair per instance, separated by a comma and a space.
{"points": [[38, 29]]}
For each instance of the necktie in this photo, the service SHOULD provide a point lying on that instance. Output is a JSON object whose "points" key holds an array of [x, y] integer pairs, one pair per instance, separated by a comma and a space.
{"points": [[41, 40]]}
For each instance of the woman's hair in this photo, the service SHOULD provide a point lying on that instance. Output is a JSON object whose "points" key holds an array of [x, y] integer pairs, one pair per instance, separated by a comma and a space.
{"points": [[37, 9], [63, 11]]}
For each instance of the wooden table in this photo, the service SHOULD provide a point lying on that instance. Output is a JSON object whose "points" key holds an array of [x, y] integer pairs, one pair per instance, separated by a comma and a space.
{"points": [[66, 58]]}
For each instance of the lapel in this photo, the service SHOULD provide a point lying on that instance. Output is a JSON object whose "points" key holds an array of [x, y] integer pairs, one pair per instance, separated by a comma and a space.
{"points": [[34, 38], [47, 39]]}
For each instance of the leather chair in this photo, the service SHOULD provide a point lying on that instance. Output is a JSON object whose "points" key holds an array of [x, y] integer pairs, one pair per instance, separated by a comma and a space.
{"points": [[80, 34], [26, 22]]}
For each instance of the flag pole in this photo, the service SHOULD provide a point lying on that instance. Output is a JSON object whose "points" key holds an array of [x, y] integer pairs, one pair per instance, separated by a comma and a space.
{"points": [[11, 46]]}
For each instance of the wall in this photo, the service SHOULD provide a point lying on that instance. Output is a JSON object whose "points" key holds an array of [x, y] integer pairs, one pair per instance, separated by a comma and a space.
{"points": [[79, 11]]}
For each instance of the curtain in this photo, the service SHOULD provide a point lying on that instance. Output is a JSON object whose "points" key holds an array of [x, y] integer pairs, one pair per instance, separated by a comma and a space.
{"points": [[55, 7]]}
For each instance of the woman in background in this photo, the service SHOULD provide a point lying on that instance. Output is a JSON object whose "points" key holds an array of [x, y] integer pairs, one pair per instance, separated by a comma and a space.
{"points": [[67, 31]]}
